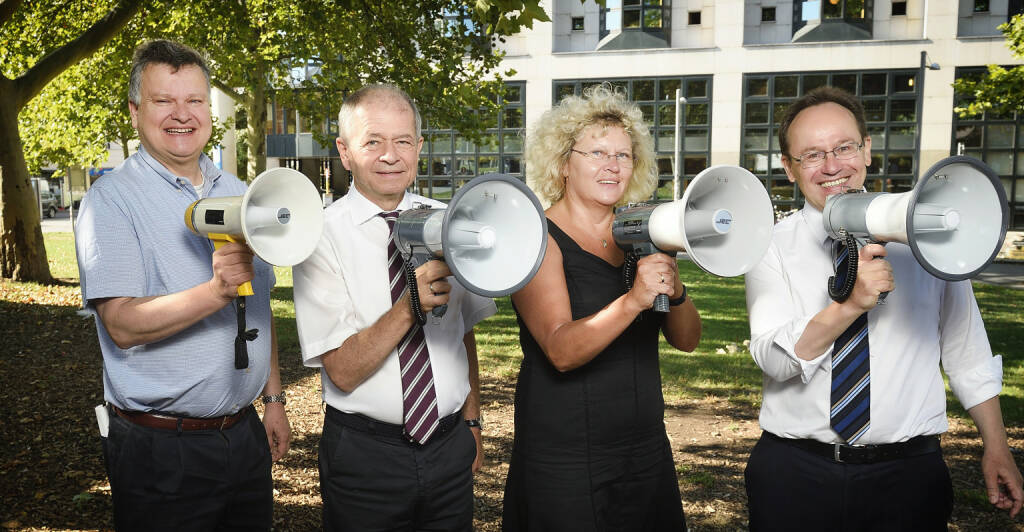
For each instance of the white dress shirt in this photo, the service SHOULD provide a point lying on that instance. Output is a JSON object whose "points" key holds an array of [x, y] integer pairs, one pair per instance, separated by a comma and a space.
{"points": [[923, 322], [343, 288]]}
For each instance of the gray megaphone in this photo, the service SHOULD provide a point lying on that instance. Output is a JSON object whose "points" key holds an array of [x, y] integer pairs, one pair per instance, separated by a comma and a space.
{"points": [[493, 236], [954, 220], [724, 222]]}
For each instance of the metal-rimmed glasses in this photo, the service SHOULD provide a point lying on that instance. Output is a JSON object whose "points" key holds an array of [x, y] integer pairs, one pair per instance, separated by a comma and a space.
{"points": [[844, 151], [601, 156]]}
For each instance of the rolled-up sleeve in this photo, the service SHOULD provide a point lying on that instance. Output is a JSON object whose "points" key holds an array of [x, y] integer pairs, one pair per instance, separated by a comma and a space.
{"points": [[775, 326], [975, 375], [323, 305], [110, 261]]}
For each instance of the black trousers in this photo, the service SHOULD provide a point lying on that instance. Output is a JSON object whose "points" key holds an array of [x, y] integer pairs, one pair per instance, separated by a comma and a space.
{"points": [[792, 489], [377, 482], [189, 480]]}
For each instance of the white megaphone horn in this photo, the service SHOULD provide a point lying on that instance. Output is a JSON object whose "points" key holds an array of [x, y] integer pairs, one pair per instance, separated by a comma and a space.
{"points": [[724, 222], [280, 217], [954, 220], [493, 236]]}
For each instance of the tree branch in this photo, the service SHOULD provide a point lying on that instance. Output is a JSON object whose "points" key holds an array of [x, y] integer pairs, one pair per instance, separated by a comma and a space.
{"points": [[232, 93], [7, 9], [57, 61]]}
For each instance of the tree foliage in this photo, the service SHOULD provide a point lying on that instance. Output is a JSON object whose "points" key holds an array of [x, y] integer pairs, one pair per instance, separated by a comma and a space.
{"points": [[1000, 90], [439, 50], [306, 54], [41, 40]]}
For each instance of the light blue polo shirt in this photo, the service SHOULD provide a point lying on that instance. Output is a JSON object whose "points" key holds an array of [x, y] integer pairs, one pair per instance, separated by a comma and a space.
{"points": [[132, 241]]}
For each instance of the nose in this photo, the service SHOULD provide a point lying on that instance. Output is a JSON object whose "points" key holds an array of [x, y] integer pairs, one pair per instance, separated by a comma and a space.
{"points": [[180, 112], [831, 163], [612, 163], [390, 153]]}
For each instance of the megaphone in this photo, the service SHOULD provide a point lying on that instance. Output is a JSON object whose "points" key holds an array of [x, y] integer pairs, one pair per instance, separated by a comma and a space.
{"points": [[724, 222], [954, 220], [280, 217], [493, 236]]}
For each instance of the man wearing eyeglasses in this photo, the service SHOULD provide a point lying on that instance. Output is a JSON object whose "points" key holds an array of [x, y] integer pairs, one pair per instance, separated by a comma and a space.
{"points": [[853, 399], [401, 437]]}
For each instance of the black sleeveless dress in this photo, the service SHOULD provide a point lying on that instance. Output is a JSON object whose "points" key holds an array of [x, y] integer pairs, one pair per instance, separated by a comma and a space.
{"points": [[590, 450]]}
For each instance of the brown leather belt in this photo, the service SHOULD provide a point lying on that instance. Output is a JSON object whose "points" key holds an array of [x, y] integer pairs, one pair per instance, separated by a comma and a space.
{"points": [[165, 422]]}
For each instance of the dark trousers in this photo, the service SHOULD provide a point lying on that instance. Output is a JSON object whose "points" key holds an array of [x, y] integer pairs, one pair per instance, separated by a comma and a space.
{"points": [[792, 489], [376, 481], [189, 480]]}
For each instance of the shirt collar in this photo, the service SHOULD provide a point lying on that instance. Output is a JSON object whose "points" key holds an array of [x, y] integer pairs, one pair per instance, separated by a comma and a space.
{"points": [[364, 210], [206, 166], [815, 222]]}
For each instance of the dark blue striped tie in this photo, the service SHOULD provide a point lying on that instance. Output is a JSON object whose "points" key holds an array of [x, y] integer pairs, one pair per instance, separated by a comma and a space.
{"points": [[850, 414]]}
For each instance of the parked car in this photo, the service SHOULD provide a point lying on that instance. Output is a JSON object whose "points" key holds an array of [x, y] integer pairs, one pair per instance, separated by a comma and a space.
{"points": [[49, 204]]}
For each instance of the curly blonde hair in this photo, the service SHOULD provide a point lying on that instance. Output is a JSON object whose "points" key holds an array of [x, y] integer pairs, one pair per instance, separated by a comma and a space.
{"points": [[550, 140]]}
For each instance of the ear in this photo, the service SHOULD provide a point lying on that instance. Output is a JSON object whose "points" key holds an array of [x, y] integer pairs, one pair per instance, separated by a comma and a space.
{"points": [[867, 151], [134, 111], [787, 164], [343, 152]]}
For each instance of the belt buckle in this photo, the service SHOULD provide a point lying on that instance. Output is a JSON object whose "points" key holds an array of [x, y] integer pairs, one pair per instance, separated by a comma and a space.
{"points": [[837, 456], [223, 421]]}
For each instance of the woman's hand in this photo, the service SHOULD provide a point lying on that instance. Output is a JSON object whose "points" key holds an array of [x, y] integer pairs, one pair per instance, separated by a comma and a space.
{"points": [[655, 274]]}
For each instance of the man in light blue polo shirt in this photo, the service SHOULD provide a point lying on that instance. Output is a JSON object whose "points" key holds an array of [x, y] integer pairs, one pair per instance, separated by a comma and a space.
{"points": [[185, 449]]}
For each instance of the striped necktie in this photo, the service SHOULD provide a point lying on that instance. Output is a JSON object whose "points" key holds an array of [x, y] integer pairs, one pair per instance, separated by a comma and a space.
{"points": [[419, 400], [850, 415]]}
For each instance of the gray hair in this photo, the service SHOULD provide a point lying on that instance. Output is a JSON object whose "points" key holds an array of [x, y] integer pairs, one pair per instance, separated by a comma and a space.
{"points": [[368, 93], [165, 52]]}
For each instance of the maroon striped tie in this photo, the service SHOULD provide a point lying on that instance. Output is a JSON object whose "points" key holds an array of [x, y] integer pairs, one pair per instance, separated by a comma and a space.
{"points": [[419, 400]]}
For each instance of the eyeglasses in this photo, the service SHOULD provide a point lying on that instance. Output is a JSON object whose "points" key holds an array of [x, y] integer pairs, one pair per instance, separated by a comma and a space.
{"points": [[599, 156], [841, 152]]}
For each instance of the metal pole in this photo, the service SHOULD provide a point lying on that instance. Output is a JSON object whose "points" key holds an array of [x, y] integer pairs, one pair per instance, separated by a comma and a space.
{"points": [[677, 172], [920, 120], [297, 140]]}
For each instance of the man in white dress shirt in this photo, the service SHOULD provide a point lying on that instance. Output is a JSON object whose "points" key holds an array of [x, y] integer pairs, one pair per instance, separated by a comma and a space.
{"points": [[889, 474], [380, 468]]}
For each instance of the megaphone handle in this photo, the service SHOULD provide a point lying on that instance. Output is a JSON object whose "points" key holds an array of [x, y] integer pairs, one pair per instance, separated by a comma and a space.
{"points": [[881, 296], [439, 310], [661, 303], [244, 289]]}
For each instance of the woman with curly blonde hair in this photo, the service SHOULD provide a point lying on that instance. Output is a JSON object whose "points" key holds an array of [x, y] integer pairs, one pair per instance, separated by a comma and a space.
{"points": [[590, 450]]}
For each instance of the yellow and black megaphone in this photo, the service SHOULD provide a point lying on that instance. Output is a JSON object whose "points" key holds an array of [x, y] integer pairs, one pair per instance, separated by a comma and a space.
{"points": [[280, 217]]}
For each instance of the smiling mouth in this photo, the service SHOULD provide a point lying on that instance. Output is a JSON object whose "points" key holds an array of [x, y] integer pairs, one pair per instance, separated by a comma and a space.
{"points": [[834, 182], [179, 130], [608, 182]]}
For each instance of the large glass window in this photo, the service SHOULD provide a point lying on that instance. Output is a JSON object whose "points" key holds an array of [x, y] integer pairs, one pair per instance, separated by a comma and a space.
{"points": [[832, 16], [651, 16], [449, 160], [998, 140], [890, 103], [656, 99]]}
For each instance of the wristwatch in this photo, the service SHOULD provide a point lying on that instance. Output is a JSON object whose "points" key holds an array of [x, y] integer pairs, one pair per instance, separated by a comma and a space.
{"points": [[679, 300], [474, 423], [276, 398]]}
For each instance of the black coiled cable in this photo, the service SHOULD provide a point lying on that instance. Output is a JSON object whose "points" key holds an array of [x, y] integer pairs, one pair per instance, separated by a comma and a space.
{"points": [[414, 293], [842, 293]]}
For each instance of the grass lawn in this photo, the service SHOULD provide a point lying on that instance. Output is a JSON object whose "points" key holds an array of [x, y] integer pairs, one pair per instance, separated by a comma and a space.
{"points": [[720, 367]]}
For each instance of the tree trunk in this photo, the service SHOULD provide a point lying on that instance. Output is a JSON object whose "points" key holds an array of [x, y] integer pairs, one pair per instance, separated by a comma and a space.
{"points": [[255, 130], [22, 253]]}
